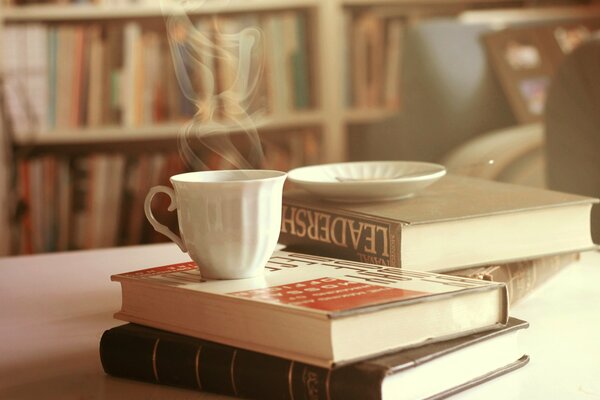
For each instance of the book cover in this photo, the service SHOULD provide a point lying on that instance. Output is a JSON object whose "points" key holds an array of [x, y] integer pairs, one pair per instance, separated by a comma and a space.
{"points": [[313, 309], [456, 222], [146, 354]]}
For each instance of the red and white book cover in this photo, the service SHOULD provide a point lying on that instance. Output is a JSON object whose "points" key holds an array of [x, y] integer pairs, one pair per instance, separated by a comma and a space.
{"points": [[311, 283]]}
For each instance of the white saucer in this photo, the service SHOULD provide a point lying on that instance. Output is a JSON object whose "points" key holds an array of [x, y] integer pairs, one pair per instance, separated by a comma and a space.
{"points": [[366, 181]]}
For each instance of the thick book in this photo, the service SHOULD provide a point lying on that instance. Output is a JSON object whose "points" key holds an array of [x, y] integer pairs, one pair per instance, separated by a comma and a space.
{"points": [[521, 277], [456, 222], [317, 310], [432, 371]]}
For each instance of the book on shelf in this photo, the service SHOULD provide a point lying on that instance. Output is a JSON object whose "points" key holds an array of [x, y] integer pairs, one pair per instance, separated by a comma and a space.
{"points": [[394, 45], [435, 370], [15, 87], [299, 63], [64, 201], [456, 222], [313, 309], [367, 59], [36, 70], [372, 46], [278, 86], [521, 277], [77, 75]]}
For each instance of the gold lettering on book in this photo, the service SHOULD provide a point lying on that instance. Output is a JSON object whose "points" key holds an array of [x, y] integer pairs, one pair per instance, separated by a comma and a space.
{"points": [[337, 225], [323, 227], [371, 259], [311, 383], [300, 224], [197, 367], [154, 369], [383, 231], [312, 225], [355, 234]]}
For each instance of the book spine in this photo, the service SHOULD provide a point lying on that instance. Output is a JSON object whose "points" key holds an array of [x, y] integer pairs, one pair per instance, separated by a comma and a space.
{"points": [[300, 67], [521, 277], [176, 360], [350, 237]]}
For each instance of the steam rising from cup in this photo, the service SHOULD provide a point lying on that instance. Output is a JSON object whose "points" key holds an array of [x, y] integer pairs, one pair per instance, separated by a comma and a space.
{"points": [[221, 107]]}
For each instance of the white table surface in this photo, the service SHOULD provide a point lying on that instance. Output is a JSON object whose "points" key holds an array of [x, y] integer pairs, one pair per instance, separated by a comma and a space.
{"points": [[54, 308]]}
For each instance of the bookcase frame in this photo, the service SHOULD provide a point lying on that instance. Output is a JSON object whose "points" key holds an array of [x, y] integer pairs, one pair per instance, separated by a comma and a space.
{"points": [[330, 114]]}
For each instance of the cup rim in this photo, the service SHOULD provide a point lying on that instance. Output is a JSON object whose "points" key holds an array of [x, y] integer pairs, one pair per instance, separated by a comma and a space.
{"points": [[251, 175]]}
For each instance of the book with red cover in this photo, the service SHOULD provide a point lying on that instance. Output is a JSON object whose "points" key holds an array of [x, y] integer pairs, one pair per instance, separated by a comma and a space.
{"points": [[317, 310], [432, 371]]}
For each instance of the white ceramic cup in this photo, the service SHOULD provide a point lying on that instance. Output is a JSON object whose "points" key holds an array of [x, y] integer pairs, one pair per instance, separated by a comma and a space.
{"points": [[229, 220]]}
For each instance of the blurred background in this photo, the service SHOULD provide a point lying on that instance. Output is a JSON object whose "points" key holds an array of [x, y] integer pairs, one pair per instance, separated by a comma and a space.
{"points": [[102, 99]]}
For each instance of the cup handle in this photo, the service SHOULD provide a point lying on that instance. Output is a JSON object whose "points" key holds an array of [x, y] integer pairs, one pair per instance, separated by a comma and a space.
{"points": [[158, 227]]}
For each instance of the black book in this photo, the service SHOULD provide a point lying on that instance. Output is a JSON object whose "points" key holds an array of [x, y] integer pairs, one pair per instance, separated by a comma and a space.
{"points": [[147, 354]]}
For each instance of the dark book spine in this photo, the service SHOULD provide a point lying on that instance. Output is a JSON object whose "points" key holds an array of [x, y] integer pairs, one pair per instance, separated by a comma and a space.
{"points": [[150, 355], [326, 233]]}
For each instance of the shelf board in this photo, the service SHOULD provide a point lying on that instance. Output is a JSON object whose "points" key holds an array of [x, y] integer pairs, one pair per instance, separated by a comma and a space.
{"points": [[46, 12], [427, 3], [519, 15], [157, 132], [368, 115]]}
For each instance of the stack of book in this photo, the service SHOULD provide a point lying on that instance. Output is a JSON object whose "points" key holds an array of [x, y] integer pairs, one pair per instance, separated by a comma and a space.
{"points": [[460, 225], [323, 327]]}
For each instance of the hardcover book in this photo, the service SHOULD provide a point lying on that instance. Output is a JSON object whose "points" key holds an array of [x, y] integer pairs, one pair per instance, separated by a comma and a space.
{"points": [[317, 310], [432, 371], [521, 277], [456, 222]]}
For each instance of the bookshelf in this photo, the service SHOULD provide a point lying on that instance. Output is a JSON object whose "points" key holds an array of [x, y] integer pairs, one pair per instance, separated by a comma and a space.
{"points": [[5, 162], [329, 113]]}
